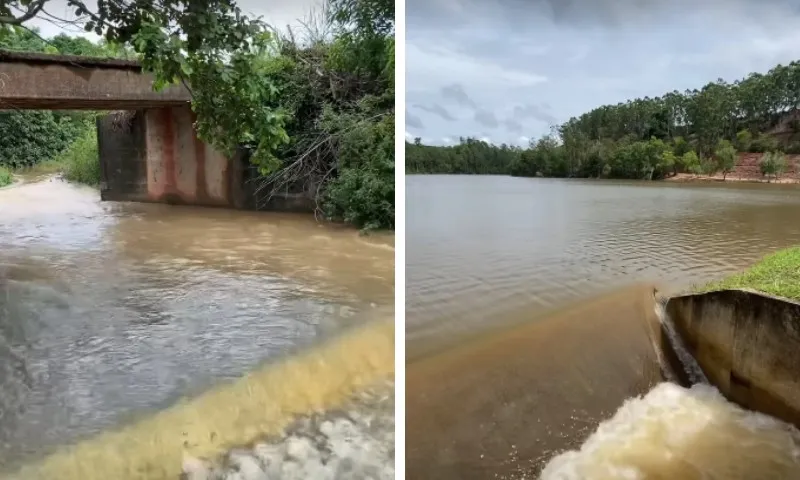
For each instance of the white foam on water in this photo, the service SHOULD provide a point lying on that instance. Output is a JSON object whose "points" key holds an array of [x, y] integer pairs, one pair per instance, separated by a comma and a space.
{"points": [[353, 444], [683, 433]]}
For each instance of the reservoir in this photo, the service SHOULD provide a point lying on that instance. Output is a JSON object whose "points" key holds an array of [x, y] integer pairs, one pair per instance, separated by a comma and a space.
{"points": [[530, 323]]}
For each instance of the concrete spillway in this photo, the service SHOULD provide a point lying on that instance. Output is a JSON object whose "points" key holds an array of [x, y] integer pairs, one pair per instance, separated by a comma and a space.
{"points": [[505, 403], [747, 344]]}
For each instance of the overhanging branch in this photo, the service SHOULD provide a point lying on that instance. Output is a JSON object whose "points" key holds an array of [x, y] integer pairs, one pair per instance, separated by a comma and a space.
{"points": [[33, 9]]}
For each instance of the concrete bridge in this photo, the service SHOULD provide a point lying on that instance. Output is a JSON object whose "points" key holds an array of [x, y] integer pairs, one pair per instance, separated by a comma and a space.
{"points": [[151, 153]]}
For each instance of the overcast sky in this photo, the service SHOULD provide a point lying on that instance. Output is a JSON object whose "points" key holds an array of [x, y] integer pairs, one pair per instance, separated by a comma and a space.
{"points": [[278, 13], [505, 70]]}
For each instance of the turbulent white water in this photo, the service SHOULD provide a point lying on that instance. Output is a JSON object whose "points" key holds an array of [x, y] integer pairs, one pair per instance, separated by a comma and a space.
{"points": [[352, 444], [678, 433]]}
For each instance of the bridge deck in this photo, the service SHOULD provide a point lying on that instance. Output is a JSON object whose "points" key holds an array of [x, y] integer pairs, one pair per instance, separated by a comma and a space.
{"points": [[39, 81]]}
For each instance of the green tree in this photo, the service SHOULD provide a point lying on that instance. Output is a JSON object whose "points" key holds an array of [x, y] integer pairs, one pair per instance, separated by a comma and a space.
{"points": [[620, 141], [725, 155], [691, 162], [668, 161], [744, 140]]}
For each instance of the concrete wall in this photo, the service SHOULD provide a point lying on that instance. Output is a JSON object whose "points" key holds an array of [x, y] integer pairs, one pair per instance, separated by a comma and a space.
{"points": [[154, 155], [181, 168], [120, 143], [747, 344]]}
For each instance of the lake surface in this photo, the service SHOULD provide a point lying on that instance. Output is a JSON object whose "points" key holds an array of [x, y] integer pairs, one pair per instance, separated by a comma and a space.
{"points": [[483, 251], [112, 310], [531, 323]]}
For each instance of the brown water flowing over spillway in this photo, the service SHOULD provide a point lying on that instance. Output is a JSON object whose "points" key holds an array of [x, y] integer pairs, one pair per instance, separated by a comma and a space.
{"points": [[605, 390], [112, 311], [507, 402], [534, 347]]}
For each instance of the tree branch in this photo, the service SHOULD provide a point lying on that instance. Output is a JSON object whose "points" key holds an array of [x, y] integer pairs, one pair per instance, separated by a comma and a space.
{"points": [[33, 9]]}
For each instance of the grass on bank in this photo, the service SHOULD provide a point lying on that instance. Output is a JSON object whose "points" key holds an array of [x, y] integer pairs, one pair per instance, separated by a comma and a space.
{"points": [[776, 274], [79, 163], [5, 176]]}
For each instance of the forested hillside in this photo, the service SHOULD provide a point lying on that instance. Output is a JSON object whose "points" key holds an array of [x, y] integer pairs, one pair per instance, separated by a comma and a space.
{"points": [[697, 131]]}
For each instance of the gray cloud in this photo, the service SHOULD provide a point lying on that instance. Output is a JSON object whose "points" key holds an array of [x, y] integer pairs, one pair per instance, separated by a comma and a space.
{"points": [[414, 121], [537, 112], [615, 13], [456, 93], [584, 13], [513, 125], [515, 67], [436, 109], [486, 118]]}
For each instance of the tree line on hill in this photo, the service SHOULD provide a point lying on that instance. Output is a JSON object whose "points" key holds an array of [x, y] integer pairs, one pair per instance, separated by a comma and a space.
{"points": [[696, 131]]}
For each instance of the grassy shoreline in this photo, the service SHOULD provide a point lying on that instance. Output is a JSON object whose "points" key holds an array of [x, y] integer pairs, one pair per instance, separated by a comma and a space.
{"points": [[776, 274]]}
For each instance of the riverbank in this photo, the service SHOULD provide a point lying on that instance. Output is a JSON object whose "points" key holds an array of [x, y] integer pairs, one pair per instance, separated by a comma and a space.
{"points": [[79, 163], [260, 406], [6, 177], [677, 178], [775, 274], [688, 178]]}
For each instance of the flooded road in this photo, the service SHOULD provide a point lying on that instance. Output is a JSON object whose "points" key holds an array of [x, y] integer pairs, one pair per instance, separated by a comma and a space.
{"points": [[531, 327], [109, 311]]}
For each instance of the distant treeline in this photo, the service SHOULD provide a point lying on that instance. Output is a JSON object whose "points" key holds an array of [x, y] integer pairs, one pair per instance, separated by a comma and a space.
{"points": [[697, 131]]}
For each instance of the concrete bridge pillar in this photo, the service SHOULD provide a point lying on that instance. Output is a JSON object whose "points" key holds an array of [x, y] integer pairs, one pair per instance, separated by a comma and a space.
{"points": [[154, 155]]}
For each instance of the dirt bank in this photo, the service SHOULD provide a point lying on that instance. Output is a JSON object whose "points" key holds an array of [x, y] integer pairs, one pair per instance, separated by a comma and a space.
{"points": [[747, 170]]}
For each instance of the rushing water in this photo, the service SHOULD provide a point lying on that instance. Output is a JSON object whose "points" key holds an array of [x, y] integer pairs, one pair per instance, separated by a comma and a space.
{"points": [[531, 328], [109, 311]]}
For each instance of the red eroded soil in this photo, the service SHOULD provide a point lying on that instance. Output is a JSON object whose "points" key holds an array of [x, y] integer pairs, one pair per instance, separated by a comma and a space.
{"points": [[747, 169]]}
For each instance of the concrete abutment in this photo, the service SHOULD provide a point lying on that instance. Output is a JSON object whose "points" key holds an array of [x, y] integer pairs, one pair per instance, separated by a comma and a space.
{"points": [[154, 155]]}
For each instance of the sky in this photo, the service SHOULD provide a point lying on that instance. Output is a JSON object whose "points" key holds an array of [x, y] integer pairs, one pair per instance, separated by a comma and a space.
{"points": [[278, 13], [507, 70]]}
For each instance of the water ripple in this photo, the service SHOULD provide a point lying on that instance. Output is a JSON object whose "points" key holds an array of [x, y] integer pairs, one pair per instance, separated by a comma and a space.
{"points": [[480, 247]]}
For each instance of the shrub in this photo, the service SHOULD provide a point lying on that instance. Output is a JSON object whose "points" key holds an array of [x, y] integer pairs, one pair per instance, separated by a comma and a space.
{"points": [[30, 137], [363, 192], [80, 160], [744, 140], [764, 143], [772, 163], [5, 176], [793, 148], [691, 162]]}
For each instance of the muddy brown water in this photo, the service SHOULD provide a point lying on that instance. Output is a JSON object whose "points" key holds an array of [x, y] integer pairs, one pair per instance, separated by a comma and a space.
{"points": [[530, 307], [112, 310]]}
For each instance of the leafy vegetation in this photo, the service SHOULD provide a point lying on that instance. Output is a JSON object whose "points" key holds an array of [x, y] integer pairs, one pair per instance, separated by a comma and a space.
{"points": [[726, 156], [5, 176], [776, 274], [80, 162], [28, 138], [773, 164], [697, 131], [314, 112], [295, 105]]}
